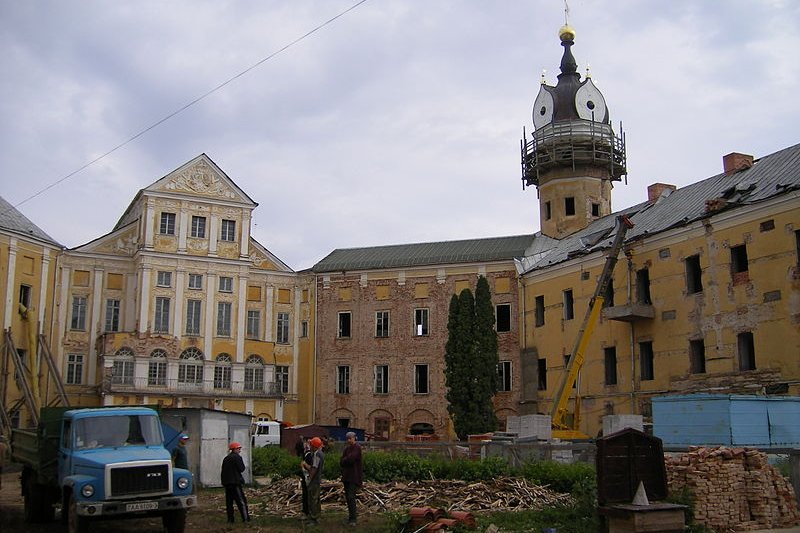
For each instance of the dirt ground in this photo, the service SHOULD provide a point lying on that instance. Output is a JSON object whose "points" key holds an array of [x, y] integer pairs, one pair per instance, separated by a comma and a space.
{"points": [[207, 517]]}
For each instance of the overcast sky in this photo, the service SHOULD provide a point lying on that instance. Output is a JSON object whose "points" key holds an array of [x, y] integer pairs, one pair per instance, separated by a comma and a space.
{"points": [[399, 122]]}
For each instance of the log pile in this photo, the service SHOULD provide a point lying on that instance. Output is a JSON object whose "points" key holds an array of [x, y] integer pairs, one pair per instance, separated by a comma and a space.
{"points": [[284, 498], [733, 488]]}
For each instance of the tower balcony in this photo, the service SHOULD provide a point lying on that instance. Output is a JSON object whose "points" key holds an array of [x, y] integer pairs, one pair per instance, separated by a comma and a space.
{"points": [[572, 143], [631, 312]]}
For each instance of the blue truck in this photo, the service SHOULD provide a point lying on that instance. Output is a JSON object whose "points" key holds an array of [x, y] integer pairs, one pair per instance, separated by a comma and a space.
{"points": [[100, 463]]}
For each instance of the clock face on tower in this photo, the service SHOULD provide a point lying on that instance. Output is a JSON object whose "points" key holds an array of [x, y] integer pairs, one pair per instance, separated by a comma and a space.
{"points": [[542, 108], [589, 103]]}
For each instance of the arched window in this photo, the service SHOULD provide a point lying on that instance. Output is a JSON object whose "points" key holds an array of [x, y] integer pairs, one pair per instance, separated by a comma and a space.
{"points": [[190, 368], [122, 372], [222, 372], [157, 368], [254, 374]]}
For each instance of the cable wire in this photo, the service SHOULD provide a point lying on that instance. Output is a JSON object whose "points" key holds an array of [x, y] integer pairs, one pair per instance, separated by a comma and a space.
{"points": [[191, 103]]}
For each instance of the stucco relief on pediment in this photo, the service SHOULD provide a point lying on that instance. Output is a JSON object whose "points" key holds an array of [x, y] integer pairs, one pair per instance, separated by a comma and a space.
{"points": [[201, 179], [259, 260], [123, 244]]}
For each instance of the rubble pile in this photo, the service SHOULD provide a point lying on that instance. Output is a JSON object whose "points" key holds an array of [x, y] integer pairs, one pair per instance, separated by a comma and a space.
{"points": [[733, 488]]}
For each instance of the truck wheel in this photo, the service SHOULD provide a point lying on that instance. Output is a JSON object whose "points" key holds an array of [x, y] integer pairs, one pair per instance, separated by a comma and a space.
{"points": [[75, 522], [37, 506], [174, 521]]}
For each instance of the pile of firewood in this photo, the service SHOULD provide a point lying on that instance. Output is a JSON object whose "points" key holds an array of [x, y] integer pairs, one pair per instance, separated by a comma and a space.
{"points": [[283, 497], [733, 488]]}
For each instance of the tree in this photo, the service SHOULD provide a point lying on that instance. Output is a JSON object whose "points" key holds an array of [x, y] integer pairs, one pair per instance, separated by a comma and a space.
{"points": [[471, 361]]}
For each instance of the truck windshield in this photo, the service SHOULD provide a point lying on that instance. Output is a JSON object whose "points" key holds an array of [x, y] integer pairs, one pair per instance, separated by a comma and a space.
{"points": [[117, 430]]}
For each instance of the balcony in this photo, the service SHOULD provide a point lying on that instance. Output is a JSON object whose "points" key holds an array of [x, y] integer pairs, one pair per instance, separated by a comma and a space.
{"points": [[173, 387], [631, 312]]}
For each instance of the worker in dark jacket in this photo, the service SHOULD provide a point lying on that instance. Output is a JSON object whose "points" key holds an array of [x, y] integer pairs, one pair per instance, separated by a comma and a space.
{"points": [[180, 459], [233, 481], [314, 471], [352, 474]]}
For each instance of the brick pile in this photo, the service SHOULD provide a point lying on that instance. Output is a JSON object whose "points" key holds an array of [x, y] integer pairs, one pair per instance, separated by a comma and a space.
{"points": [[733, 488]]}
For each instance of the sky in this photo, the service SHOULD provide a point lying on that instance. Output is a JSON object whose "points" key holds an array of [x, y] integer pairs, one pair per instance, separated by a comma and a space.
{"points": [[397, 122]]}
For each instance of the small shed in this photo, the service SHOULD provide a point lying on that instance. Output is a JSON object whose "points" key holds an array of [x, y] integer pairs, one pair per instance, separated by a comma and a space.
{"points": [[210, 431], [291, 434], [727, 420]]}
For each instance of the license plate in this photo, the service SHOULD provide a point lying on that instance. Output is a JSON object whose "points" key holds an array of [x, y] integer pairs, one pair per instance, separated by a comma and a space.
{"points": [[142, 506]]}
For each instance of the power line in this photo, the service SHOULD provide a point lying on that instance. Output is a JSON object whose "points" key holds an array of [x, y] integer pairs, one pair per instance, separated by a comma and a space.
{"points": [[191, 103]]}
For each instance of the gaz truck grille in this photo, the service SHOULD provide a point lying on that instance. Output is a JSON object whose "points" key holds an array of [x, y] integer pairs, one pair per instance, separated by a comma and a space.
{"points": [[140, 480]]}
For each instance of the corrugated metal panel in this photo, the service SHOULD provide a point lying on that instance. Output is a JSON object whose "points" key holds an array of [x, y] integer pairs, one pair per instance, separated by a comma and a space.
{"points": [[784, 421], [749, 423]]}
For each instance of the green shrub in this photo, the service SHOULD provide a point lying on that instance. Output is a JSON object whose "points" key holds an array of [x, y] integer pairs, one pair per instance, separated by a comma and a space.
{"points": [[277, 463], [560, 477]]}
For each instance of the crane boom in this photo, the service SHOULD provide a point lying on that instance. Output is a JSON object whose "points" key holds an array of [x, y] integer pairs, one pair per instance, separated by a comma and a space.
{"points": [[570, 376]]}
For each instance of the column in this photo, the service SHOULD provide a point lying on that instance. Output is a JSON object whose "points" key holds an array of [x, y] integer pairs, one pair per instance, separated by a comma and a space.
{"points": [[244, 245], [298, 297], [268, 306], [96, 318], [183, 228], [10, 292], [213, 232], [64, 306], [241, 318], [177, 319], [208, 330], [149, 224], [145, 276], [43, 287]]}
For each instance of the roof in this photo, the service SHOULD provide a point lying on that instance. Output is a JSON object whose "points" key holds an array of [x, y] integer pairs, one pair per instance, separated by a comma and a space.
{"points": [[13, 221], [425, 254], [769, 177]]}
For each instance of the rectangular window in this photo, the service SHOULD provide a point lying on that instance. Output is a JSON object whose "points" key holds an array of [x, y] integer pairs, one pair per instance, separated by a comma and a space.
{"points": [[193, 310], [569, 205], [646, 361], [595, 210], [643, 286], [608, 297], [420, 322], [382, 426], [694, 281], [225, 284], [112, 315], [343, 379], [195, 281], [541, 373], [747, 351], [569, 305], [78, 321], [502, 317], [382, 324], [304, 329], [697, 356], [420, 379], [381, 382], [222, 376], [224, 319], [548, 213], [74, 373], [344, 325], [282, 331], [504, 376], [228, 232], [161, 319], [253, 324], [739, 259], [539, 312], [164, 279], [25, 295], [610, 359], [797, 245], [167, 226], [282, 378], [198, 227]]}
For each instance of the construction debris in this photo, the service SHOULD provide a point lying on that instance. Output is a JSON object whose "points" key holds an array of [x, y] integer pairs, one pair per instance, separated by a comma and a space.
{"points": [[284, 498], [733, 488]]}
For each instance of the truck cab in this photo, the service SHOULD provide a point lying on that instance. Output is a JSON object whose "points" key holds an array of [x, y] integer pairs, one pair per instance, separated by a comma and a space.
{"points": [[266, 433]]}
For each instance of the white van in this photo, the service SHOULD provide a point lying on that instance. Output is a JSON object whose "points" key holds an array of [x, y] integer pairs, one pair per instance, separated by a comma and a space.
{"points": [[266, 433]]}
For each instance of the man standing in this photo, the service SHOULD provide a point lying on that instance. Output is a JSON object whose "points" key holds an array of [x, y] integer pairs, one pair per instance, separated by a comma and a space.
{"points": [[303, 451], [180, 459], [233, 481], [314, 478], [352, 474]]}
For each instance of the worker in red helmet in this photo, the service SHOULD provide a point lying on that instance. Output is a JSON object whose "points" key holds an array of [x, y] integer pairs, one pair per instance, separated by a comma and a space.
{"points": [[231, 477], [314, 471]]}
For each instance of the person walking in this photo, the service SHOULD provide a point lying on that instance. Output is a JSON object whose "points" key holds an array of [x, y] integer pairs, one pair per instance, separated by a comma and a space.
{"points": [[233, 481], [352, 474], [180, 457], [314, 471]]}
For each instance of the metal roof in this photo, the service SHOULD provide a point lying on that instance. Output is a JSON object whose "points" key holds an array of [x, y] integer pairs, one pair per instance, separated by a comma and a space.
{"points": [[424, 254], [13, 221]]}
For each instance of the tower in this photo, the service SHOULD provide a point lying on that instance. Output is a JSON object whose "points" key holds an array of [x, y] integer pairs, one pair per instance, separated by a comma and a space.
{"points": [[573, 155]]}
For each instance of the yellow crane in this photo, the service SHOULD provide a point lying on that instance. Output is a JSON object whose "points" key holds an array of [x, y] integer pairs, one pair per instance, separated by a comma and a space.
{"points": [[562, 429]]}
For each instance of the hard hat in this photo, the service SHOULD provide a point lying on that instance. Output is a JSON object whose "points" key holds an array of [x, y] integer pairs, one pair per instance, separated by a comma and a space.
{"points": [[184, 436], [316, 442], [234, 446]]}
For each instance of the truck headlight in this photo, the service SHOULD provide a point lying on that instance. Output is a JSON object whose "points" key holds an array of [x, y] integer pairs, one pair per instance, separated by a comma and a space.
{"points": [[87, 491], [183, 483]]}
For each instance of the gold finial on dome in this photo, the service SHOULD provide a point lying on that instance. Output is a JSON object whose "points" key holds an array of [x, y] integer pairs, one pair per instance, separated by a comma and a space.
{"points": [[566, 33]]}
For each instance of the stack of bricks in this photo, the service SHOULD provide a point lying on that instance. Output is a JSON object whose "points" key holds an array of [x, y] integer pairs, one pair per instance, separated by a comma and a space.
{"points": [[733, 488]]}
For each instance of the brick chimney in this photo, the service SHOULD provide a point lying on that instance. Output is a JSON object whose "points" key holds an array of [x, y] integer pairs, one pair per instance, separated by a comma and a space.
{"points": [[655, 190], [734, 162]]}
